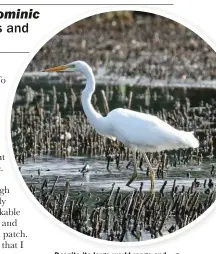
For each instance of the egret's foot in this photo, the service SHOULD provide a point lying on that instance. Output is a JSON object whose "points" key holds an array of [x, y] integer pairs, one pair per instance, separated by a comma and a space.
{"points": [[152, 190], [133, 177]]}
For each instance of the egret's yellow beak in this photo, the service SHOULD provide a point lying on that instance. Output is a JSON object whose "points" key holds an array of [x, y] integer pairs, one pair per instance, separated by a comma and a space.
{"points": [[57, 68]]}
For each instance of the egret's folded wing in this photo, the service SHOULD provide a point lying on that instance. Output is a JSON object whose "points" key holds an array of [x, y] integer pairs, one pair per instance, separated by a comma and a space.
{"points": [[142, 130]]}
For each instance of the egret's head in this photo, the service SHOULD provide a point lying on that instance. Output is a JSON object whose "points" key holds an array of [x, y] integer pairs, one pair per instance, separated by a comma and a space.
{"points": [[79, 66]]}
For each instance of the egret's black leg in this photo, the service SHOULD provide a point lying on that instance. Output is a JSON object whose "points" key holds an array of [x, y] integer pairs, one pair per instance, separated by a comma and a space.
{"points": [[151, 172], [134, 176]]}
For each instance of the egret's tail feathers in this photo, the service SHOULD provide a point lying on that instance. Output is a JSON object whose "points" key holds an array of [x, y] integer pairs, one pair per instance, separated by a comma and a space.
{"points": [[190, 140]]}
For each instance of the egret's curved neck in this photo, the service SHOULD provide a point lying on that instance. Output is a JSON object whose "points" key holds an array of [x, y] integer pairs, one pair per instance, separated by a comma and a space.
{"points": [[95, 119]]}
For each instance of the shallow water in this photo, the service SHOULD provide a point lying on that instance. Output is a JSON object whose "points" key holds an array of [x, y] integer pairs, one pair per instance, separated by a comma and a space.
{"points": [[98, 179], [96, 184]]}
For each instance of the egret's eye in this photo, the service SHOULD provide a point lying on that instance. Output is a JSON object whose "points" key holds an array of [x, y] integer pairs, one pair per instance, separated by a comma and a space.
{"points": [[72, 66]]}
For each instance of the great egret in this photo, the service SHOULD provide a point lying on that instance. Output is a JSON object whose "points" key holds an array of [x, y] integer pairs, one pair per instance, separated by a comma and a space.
{"points": [[138, 131]]}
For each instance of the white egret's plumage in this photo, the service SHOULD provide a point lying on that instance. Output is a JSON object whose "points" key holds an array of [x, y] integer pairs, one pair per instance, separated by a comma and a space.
{"points": [[138, 131], [146, 132]]}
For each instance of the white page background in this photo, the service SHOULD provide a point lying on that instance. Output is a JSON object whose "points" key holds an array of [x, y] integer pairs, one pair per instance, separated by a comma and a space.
{"points": [[45, 233]]}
